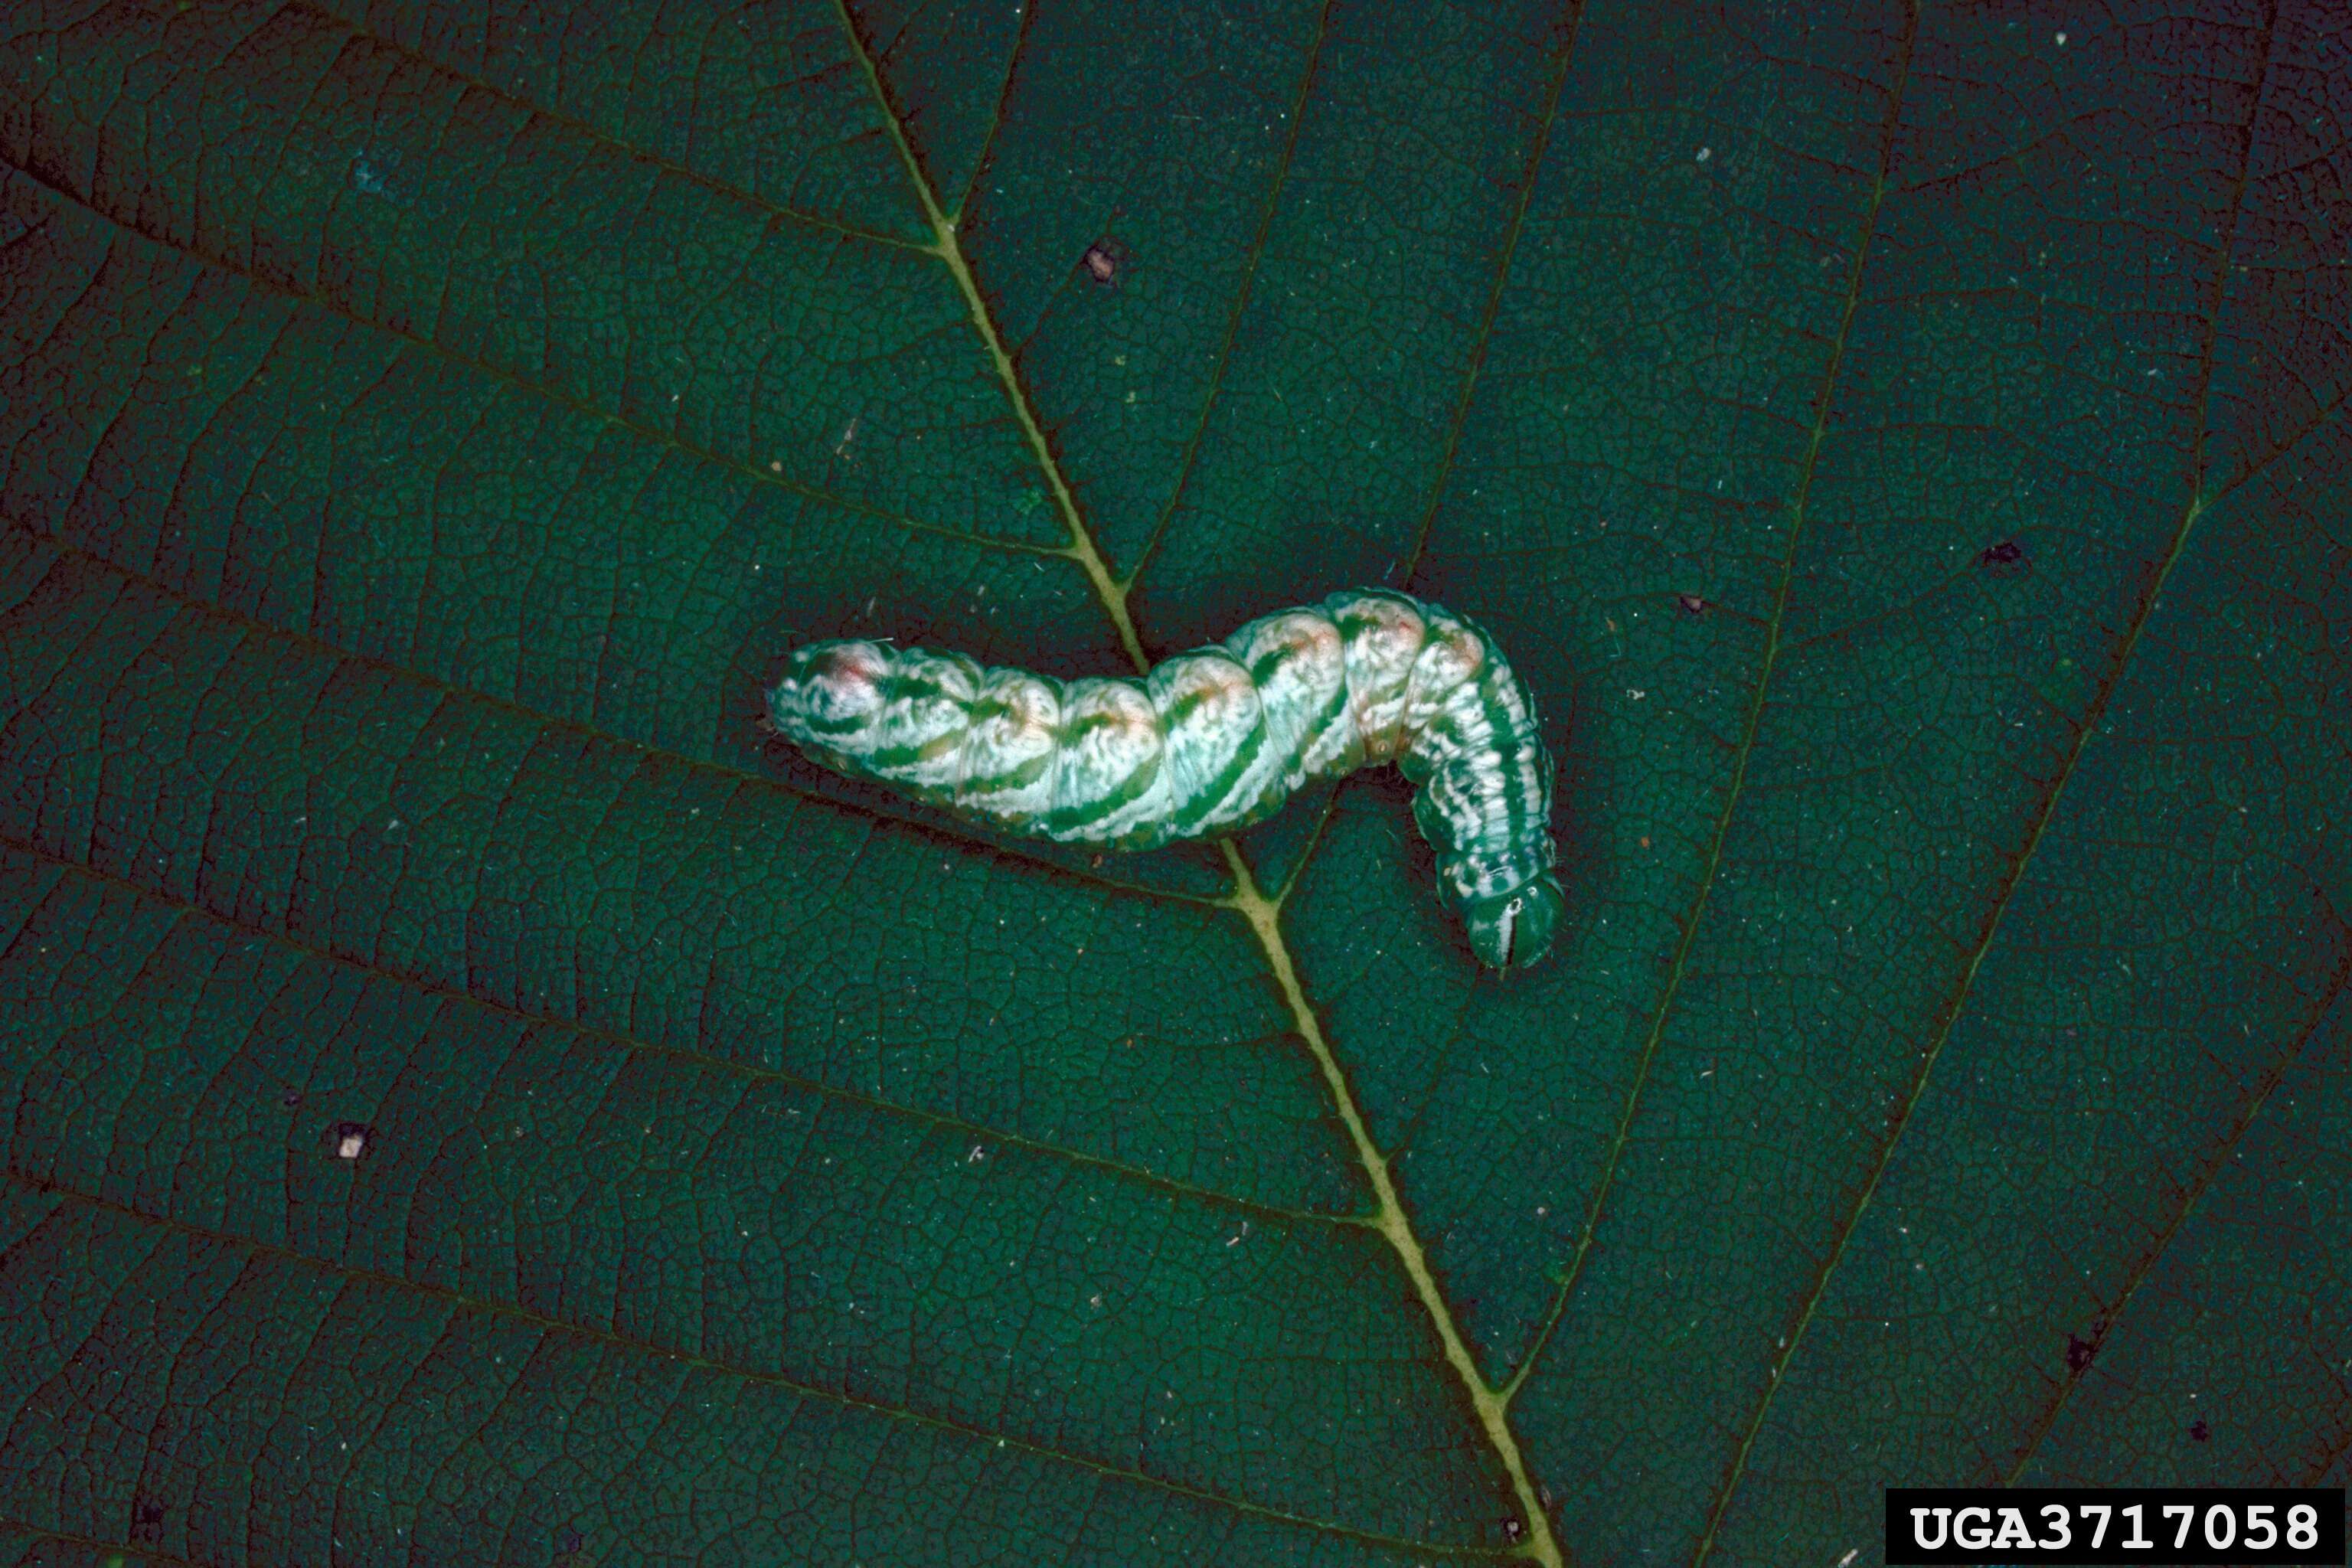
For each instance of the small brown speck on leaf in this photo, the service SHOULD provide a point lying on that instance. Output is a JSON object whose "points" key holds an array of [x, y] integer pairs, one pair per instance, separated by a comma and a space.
{"points": [[1104, 261], [2198, 1430], [1692, 604], [2007, 552]]}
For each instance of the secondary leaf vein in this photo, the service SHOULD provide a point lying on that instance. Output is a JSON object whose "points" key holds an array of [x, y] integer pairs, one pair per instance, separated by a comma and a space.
{"points": [[494, 372], [2110, 680], [745, 1072], [459, 1301], [2210, 1172], [1679, 965], [1262, 914]]}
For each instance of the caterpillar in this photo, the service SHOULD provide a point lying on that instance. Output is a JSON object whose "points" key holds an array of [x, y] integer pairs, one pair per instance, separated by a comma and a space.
{"points": [[1214, 739]]}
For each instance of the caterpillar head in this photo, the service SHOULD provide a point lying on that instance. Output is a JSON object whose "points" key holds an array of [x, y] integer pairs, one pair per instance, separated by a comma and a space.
{"points": [[1511, 931], [830, 693]]}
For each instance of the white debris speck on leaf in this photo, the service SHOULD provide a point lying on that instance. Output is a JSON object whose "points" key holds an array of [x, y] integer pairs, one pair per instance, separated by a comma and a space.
{"points": [[351, 1141], [1705, 153], [2062, 40], [371, 178]]}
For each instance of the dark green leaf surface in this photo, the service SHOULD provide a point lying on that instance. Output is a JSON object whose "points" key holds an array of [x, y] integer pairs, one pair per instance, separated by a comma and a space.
{"points": [[1904, 450]]}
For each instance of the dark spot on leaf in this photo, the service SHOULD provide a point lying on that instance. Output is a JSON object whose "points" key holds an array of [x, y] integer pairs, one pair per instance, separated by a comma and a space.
{"points": [[568, 1541], [291, 1099], [347, 1141], [2007, 552], [2079, 1353], [1692, 604], [2198, 1430], [1105, 259], [146, 1513]]}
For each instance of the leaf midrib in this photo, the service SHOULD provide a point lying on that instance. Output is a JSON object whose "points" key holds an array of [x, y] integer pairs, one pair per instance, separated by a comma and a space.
{"points": [[1080, 547], [742, 1071], [2050, 802], [949, 250], [1263, 915]]}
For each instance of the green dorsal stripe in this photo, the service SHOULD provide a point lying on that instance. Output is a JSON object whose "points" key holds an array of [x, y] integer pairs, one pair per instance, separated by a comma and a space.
{"points": [[1334, 710], [929, 751], [1213, 794], [1490, 826], [1010, 779], [1264, 668], [1080, 814]]}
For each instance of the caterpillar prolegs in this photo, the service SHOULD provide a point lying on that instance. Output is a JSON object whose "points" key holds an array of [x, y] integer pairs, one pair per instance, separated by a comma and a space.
{"points": [[1214, 739]]}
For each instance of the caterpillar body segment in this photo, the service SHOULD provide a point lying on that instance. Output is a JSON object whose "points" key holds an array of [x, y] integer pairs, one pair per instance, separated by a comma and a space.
{"points": [[1214, 739]]}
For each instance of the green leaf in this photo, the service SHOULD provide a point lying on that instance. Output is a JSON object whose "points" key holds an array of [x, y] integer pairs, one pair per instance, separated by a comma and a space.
{"points": [[469, 1098]]}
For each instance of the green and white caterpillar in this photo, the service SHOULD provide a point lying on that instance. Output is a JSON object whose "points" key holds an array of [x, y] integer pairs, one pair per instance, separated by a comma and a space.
{"points": [[1212, 740]]}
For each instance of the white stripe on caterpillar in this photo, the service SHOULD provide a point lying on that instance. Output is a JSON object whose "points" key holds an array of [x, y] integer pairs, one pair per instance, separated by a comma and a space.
{"points": [[1214, 739]]}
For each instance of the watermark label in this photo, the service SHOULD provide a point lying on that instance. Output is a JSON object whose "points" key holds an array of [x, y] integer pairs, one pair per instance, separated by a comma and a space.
{"points": [[2152, 1526]]}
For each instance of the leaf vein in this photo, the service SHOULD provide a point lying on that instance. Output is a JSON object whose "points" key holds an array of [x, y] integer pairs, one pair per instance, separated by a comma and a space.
{"points": [[741, 777], [1539, 148], [1256, 255], [575, 124], [1679, 965], [634, 425], [747, 1072], [2143, 1265], [457, 1302], [1262, 914], [2110, 680]]}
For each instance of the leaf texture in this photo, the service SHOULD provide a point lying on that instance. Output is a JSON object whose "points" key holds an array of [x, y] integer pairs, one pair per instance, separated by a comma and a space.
{"points": [[471, 1097]]}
